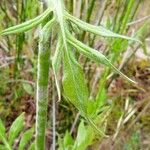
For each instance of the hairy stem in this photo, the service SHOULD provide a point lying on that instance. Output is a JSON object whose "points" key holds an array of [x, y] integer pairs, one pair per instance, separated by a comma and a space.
{"points": [[42, 86]]}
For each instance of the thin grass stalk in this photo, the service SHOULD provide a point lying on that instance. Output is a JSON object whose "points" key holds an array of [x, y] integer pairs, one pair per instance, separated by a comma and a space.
{"points": [[42, 86], [19, 38], [122, 13], [100, 16], [115, 54], [89, 13], [54, 108], [92, 39], [71, 7], [54, 118], [82, 9], [74, 7], [127, 15], [134, 11], [142, 36], [116, 15], [136, 7], [78, 8]]}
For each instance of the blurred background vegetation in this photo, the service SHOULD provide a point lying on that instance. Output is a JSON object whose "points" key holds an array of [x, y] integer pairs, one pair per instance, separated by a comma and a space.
{"points": [[124, 108]]}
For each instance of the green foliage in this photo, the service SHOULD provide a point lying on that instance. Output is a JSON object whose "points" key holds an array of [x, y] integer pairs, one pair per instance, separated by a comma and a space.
{"points": [[73, 81], [75, 88], [16, 128], [27, 25], [101, 31], [66, 143], [85, 136], [96, 56], [32, 146], [13, 133], [26, 137]]}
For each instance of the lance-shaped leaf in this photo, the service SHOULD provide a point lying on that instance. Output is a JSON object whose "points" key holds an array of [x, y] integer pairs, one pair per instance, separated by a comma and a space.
{"points": [[3, 137], [74, 85], [16, 128], [98, 30], [94, 55], [2, 129], [73, 81], [72, 75], [26, 25], [32, 146], [85, 136], [26, 137]]}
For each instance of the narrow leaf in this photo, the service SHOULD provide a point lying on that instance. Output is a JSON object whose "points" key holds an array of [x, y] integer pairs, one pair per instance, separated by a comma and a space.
{"points": [[85, 136], [73, 79], [26, 25], [80, 142], [3, 137], [68, 140], [74, 85], [25, 138], [32, 146], [98, 30], [16, 128], [94, 55], [2, 128]]}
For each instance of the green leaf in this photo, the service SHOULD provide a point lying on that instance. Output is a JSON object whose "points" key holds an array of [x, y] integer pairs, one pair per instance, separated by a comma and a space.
{"points": [[16, 128], [73, 80], [101, 97], [74, 85], [81, 137], [26, 25], [94, 55], [84, 137], [91, 108], [2, 147], [2, 129], [75, 88], [32, 146], [98, 30], [68, 140], [3, 137], [26, 137], [28, 88]]}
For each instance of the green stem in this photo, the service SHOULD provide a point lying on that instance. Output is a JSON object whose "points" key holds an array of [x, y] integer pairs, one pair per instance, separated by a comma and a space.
{"points": [[42, 85]]}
